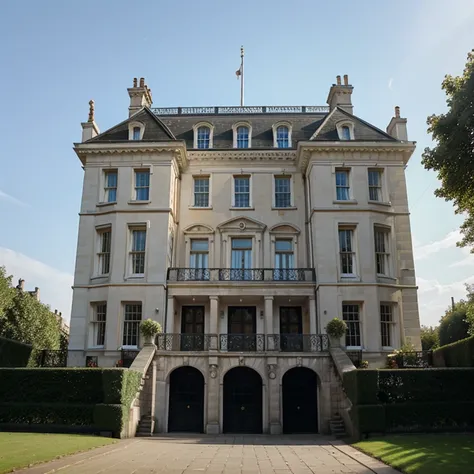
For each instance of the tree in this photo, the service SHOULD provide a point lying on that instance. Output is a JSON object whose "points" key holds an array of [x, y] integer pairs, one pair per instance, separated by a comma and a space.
{"points": [[6, 292], [453, 325], [470, 308], [429, 338], [453, 155]]}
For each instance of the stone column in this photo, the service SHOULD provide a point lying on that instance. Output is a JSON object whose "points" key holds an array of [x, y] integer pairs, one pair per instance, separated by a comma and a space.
{"points": [[312, 322], [213, 392], [213, 321], [273, 396], [170, 316], [269, 322]]}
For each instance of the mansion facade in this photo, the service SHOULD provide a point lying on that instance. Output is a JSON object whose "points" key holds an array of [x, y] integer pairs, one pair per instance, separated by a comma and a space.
{"points": [[243, 231]]}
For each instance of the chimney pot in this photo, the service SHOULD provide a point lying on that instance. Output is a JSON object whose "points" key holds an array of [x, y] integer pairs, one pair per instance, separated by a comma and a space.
{"points": [[338, 80], [21, 284], [397, 111], [135, 82], [60, 314], [91, 111], [346, 80], [55, 311], [142, 82]]}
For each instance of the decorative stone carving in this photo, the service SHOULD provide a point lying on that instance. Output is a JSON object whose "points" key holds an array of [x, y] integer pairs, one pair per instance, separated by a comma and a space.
{"points": [[241, 360], [91, 111], [185, 360], [299, 361], [272, 371], [213, 371]]}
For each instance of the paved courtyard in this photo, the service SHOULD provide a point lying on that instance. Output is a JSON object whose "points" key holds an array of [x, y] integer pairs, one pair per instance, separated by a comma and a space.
{"points": [[219, 454]]}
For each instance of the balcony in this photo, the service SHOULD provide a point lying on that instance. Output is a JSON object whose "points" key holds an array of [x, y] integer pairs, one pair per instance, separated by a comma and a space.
{"points": [[237, 274], [243, 342]]}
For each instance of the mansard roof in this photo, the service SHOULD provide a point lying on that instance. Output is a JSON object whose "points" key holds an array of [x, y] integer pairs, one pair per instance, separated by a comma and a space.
{"points": [[155, 129]]}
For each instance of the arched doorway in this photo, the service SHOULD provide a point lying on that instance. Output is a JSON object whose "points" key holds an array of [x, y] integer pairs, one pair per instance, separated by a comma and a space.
{"points": [[300, 401], [186, 401], [242, 401]]}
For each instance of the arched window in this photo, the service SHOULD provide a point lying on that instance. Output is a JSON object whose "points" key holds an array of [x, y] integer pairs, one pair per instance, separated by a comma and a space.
{"points": [[242, 137], [283, 137], [136, 133], [203, 137], [346, 132]]}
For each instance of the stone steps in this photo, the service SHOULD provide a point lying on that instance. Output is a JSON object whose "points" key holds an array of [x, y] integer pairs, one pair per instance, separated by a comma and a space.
{"points": [[337, 427], [145, 427]]}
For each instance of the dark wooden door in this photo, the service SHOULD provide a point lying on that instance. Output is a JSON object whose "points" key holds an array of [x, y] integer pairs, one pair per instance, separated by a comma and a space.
{"points": [[291, 328], [242, 401], [192, 328], [186, 401], [300, 401], [242, 328]]}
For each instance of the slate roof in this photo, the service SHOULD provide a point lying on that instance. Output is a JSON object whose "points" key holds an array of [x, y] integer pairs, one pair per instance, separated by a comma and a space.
{"points": [[304, 126]]}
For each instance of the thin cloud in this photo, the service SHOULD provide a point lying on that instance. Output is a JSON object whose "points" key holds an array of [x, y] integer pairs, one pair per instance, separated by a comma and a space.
{"points": [[390, 82], [6, 197], [449, 241], [54, 285]]}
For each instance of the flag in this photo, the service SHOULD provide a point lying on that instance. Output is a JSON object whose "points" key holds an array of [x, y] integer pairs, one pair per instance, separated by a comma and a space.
{"points": [[238, 72]]}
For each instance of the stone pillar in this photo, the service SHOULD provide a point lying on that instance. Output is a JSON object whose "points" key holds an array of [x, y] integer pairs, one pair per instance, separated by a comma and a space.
{"points": [[213, 321], [273, 396], [312, 322], [269, 322], [170, 316], [213, 392]]}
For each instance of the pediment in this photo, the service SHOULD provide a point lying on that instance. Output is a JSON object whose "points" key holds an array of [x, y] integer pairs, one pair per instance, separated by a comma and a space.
{"points": [[242, 224], [284, 228], [198, 229]]}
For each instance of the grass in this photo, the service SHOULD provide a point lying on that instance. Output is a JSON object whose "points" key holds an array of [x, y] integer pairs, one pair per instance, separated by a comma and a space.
{"points": [[19, 450], [424, 453]]}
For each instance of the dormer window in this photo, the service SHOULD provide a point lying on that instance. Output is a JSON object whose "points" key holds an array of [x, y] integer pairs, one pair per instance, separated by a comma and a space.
{"points": [[345, 130], [203, 137], [282, 135], [242, 132], [136, 133], [203, 133]]}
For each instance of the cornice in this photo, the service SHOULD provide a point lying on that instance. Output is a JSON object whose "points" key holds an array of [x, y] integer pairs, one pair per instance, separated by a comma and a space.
{"points": [[242, 155]]}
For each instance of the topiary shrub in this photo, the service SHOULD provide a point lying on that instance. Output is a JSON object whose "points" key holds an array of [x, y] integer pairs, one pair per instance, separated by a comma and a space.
{"points": [[150, 328], [457, 354], [14, 353], [336, 328]]}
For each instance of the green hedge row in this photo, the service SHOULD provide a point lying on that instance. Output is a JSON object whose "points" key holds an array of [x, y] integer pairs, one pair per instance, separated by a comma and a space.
{"points": [[14, 353], [457, 354], [96, 398]]}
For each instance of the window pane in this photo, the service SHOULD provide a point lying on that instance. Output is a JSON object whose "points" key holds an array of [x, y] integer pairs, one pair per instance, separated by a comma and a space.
{"points": [[136, 133], [139, 240], [374, 178], [385, 323], [201, 192], [283, 245], [282, 192], [242, 137], [283, 137], [342, 178], [132, 318], [350, 314], [142, 178], [111, 179], [241, 243], [346, 133], [203, 137], [200, 245], [242, 192]]}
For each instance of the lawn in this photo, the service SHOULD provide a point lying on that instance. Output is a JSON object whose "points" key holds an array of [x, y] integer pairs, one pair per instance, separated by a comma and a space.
{"points": [[19, 450], [424, 453]]}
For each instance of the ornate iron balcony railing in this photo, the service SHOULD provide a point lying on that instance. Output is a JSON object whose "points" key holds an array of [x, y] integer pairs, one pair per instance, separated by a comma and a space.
{"points": [[186, 342], [242, 342], [253, 109], [239, 274], [298, 342]]}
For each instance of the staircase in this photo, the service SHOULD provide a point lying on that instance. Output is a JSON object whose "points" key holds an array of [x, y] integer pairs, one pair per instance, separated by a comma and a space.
{"points": [[146, 425], [337, 428]]}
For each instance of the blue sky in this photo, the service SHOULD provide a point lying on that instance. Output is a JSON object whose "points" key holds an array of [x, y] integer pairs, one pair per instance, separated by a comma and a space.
{"points": [[58, 55]]}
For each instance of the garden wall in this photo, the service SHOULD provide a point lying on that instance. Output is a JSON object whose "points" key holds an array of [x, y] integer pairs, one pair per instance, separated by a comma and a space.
{"points": [[14, 353], [411, 400], [457, 354], [72, 399]]}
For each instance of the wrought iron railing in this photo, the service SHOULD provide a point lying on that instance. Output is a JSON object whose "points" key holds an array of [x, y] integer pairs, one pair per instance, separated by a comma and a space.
{"points": [[186, 342], [128, 356], [414, 360], [254, 109], [239, 274], [298, 342], [51, 358], [242, 342]]}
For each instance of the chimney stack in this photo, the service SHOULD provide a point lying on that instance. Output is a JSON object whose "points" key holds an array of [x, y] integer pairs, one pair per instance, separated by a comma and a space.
{"points": [[90, 128], [21, 284], [340, 95], [140, 96], [397, 128]]}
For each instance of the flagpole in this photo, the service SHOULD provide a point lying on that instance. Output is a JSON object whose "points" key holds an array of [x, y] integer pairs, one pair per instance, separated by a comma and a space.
{"points": [[241, 76]]}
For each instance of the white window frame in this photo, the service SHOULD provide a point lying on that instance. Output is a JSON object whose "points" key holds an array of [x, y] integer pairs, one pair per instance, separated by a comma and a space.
{"points": [[131, 252], [234, 134], [100, 230], [361, 333], [345, 123], [124, 305], [349, 189], [244, 175], [204, 233], [211, 135], [386, 231], [290, 133], [133, 125], [381, 187], [290, 232], [134, 187], [95, 324], [353, 229], [391, 324], [290, 178], [105, 188], [209, 203]]}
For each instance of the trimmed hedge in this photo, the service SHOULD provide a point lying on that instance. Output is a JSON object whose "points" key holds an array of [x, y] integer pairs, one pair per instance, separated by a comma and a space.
{"points": [[359, 384], [457, 354], [89, 397], [14, 353]]}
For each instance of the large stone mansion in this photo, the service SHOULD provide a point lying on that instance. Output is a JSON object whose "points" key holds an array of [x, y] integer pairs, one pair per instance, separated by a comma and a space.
{"points": [[243, 231]]}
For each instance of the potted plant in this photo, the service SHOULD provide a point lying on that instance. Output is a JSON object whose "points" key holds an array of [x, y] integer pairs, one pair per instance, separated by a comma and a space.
{"points": [[364, 364], [336, 328], [149, 330]]}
